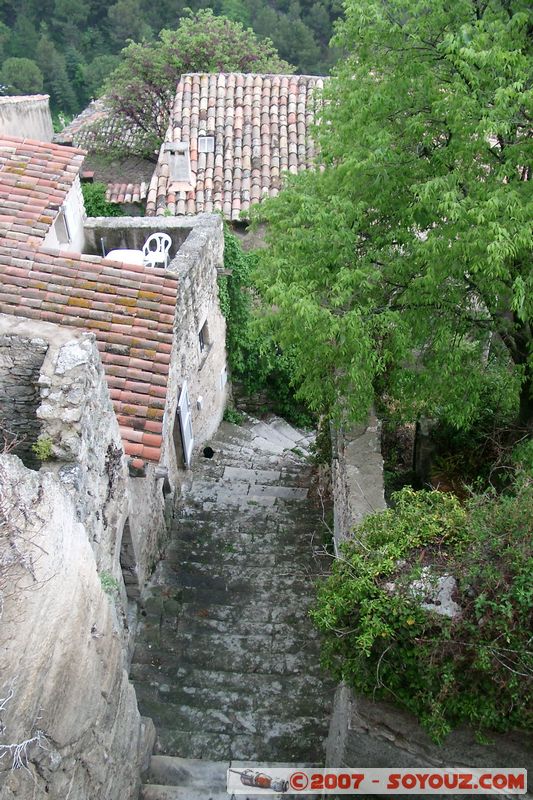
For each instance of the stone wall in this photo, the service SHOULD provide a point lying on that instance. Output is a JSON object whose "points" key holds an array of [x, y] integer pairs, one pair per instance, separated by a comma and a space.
{"points": [[27, 116], [62, 659], [197, 253], [198, 309], [77, 423], [363, 732], [357, 476], [21, 359]]}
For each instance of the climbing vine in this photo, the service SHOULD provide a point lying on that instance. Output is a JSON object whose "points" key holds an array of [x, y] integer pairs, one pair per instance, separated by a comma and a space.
{"points": [[474, 666], [257, 363]]}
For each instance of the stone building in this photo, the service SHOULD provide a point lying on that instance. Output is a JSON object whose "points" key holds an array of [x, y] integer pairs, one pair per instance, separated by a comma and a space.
{"points": [[159, 332], [111, 376], [26, 115], [230, 140]]}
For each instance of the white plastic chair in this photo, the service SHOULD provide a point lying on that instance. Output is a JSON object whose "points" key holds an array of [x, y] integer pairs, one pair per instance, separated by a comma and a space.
{"points": [[158, 255]]}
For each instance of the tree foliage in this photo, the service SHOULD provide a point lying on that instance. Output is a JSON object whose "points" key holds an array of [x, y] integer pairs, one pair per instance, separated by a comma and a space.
{"points": [[474, 668], [407, 260], [96, 30], [142, 88], [21, 76], [258, 365]]}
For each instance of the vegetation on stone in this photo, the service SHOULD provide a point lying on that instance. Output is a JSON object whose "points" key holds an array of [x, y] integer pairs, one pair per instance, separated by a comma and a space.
{"points": [[474, 666], [407, 260]]}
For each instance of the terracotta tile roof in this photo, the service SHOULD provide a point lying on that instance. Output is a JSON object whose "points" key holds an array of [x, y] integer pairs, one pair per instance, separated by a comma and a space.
{"points": [[126, 192], [97, 130], [35, 178], [261, 126], [130, 310]]}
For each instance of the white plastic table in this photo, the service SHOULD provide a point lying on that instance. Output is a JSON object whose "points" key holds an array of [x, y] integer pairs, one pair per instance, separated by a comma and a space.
{"points": [[127, 256]]}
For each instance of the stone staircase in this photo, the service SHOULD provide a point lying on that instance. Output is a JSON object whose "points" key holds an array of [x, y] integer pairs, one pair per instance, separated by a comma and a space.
{"points": [[227, 661]]}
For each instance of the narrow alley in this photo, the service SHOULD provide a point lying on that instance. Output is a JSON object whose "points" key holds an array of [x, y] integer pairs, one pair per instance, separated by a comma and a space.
{"points": [[227, 660]]}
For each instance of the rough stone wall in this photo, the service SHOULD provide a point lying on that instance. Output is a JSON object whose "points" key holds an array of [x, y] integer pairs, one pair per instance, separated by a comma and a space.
{"points": [[61, 655], [26, 117], [196, 265], [376, 734], [364, 733], [76, 420], [21, 359], [70, 238], [357, 476]]}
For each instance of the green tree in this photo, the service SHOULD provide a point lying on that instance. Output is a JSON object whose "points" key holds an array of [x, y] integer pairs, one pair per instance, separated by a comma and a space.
{"points": [[126, 21], [56, 80], [408, 258], [21, 76], [24, 37], [141, 90], [5, 37], [70, 18], [97, 72]]}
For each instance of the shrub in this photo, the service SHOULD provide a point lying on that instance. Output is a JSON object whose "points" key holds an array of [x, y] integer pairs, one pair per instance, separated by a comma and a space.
{"points": [[474, 668], [43, 448], [95, 203]]}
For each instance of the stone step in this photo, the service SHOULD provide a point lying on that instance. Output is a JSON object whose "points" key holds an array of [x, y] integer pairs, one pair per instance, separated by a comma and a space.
{"points": [[247, 661], [155, 792], [202, 626], [219, 746], [296, 435], [229, 721], [266, 699], [175, 771], [282, 436]]}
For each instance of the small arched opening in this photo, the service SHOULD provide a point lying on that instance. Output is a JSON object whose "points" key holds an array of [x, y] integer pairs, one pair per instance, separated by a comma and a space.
{"points": [[128, 564]]}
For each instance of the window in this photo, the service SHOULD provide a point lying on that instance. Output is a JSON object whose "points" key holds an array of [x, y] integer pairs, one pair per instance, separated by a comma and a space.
{"points": [[179, 162], [62, 228], [206, 144], [203, 338]]}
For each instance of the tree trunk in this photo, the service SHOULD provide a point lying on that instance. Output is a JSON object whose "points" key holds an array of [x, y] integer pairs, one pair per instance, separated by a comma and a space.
{"points": [[525, 417]]}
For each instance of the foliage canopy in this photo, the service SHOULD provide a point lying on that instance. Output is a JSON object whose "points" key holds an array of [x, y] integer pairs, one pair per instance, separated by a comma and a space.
{"points": [[408, 258], [142, 88]]}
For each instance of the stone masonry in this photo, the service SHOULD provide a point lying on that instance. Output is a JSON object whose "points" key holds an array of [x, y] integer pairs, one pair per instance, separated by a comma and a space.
{"points": [[227, 661], [21, 359]]}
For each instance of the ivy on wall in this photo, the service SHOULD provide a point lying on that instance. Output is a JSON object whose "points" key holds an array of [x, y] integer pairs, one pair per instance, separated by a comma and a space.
{"points": [[255, 360]]}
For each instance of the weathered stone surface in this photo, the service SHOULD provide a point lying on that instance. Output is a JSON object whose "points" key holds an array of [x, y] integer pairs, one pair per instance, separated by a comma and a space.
{"points": [[226, 662], [357, 476], [62, 656], [378, 734]]}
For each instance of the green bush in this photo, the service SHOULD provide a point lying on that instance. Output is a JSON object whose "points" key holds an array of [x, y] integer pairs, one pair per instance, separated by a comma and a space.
{"points": [[476, 668], [231, 414], [95, 203]]}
